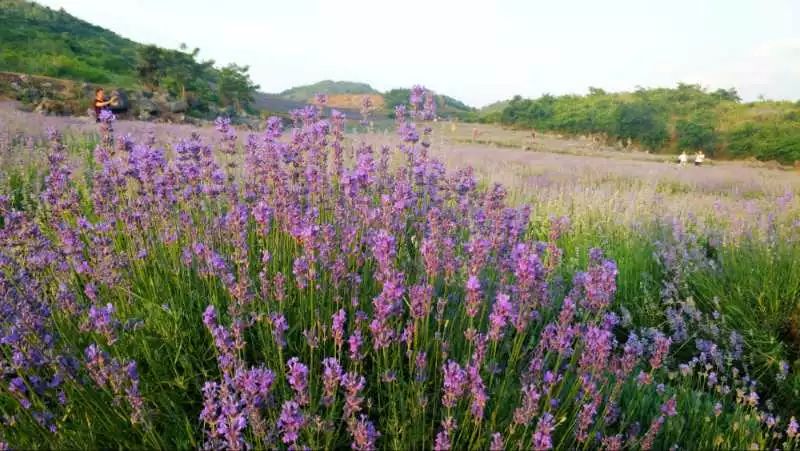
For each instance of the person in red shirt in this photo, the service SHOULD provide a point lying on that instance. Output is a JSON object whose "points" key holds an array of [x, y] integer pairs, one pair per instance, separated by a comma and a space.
{"points": [[100, 102]]}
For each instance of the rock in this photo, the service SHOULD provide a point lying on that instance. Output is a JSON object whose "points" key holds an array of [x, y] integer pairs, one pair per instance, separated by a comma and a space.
{"points": [[161, 97], [148, 106], [120, 102], [30, 95], [178, 106], [49, 106]]}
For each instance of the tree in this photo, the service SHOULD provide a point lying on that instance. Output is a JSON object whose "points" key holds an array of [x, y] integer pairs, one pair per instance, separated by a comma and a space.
{"points": [[729, 94], [697, 133], [150, 65], [235, 88], [394, 97], [642, 122], [183, 73], [182, 69], [597, 91]]}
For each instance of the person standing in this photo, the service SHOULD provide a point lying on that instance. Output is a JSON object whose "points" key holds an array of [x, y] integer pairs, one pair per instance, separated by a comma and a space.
{"points": [[683, 158], [100, 103], [699, 158]]}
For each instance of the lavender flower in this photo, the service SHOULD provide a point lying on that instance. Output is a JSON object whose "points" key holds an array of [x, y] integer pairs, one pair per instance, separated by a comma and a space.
{"points": [[660, 349], [352, 384], [337, 327], [501, 313], [364, 434], [455, 381], [291, 422], [279, 328], [331, 375], [297, 377], [497, 442], [443, 437], [670, 408], [541, 436]]}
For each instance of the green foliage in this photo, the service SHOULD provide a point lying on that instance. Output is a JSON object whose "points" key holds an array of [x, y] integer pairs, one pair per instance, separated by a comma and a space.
{"points": [[448, 104], [686, 117], [43, 41], [764, 304], [180, 74], [496, 107], [235, 88], [697, 133], [394, 97], [641, 121], [150, 65], [779, 141], [730, 95]]}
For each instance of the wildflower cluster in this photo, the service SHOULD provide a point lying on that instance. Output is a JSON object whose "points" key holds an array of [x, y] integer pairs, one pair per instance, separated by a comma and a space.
{"points": [[325, 293]]}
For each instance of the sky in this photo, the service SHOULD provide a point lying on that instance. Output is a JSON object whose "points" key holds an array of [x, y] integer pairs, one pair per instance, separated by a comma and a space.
{"points": [[479, 52]]}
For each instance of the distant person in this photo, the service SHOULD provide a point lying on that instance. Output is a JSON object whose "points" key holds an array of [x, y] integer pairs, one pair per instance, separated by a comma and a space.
{"points": [[100, 102], [533, 135], [475, 134], [683, 158], [699, 158]]}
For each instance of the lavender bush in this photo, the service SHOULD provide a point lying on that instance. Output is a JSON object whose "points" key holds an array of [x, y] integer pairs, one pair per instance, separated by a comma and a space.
{"points": [[302, 289]]}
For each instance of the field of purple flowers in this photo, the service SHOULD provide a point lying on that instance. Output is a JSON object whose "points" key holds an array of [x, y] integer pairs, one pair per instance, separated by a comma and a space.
{"points": [[305, 288]]}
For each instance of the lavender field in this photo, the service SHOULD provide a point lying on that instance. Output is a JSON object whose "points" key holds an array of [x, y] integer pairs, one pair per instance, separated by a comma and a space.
{"points": [[308, 286]]}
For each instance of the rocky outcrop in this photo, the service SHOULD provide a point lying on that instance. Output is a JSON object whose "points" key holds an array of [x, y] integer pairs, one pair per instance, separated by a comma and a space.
{"points": [[179, 106], [52, 96], [146, 109], [52, 107]]}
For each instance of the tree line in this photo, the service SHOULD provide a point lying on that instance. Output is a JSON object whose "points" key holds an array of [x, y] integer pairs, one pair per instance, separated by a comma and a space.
{"points": [[687, 117]]}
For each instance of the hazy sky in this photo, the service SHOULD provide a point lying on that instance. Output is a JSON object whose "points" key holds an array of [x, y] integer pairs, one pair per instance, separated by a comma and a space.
{"points": [[483, 51]]}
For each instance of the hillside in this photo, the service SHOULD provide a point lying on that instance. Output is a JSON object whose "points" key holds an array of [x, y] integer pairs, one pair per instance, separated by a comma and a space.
{"points": [[306, 93], [348, 95], [42, 41], [445, 105], [39, 41]]}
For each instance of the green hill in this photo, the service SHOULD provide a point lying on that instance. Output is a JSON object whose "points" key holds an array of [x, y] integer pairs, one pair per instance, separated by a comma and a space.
{"points": [[38, 40], [446, 105], [495, 107], [306, 92]]}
